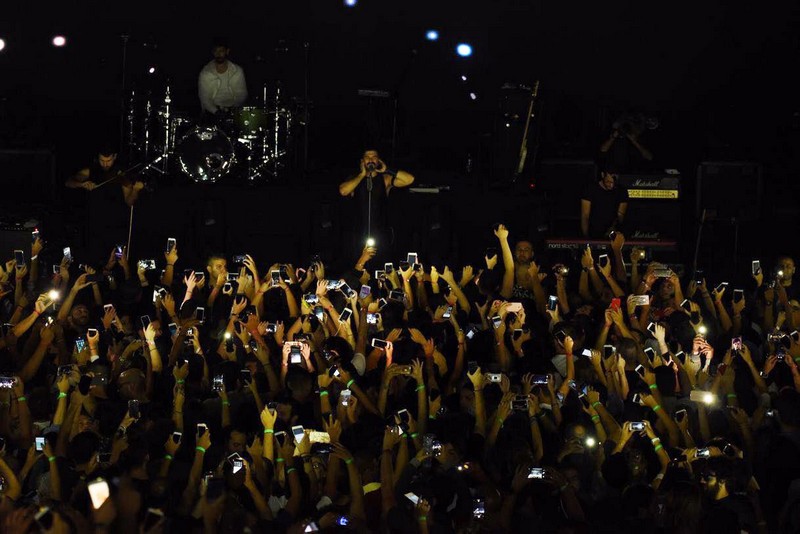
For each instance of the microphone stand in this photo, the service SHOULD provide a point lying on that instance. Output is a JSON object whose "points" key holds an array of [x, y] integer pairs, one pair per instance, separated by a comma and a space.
{"points": [[369, 203]]}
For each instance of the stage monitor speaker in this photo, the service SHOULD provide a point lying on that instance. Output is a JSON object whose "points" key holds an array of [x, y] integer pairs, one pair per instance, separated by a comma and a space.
{"points": [[729, 190], [562, 181]]}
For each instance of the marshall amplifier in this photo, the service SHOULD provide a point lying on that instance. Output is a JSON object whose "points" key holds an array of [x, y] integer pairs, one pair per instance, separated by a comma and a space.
{"points": [[653, 205]]}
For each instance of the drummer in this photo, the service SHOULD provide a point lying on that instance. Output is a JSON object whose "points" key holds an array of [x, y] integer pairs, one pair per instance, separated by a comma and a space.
{"points": [[221, 84]]}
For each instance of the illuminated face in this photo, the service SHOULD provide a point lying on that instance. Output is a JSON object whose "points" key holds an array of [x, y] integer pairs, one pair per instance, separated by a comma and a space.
{"points": [[371, 156], [608, 181], [106, 162], [220, 53], [523, 252], [787, 266], [216, 267], [80, 315]]}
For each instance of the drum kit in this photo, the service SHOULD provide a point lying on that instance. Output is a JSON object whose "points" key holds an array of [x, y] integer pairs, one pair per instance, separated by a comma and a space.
{"points": [[252, 142]]}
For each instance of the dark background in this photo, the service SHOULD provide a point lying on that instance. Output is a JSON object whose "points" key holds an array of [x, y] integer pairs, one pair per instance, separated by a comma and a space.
{"points": [[720, 78]]}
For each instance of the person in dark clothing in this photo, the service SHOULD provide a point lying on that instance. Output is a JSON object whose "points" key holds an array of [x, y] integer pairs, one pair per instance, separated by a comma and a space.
{"points": [[603, 206], [371, 188]]}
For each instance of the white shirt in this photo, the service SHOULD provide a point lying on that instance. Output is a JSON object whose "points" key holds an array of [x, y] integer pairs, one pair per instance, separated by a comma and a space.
{"points": [[221, 90]]}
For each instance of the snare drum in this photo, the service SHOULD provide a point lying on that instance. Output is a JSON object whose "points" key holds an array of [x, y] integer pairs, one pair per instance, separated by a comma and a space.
{"points": [[205, 154]]}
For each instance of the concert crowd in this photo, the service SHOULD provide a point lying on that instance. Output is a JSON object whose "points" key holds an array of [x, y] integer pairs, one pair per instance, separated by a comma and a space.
{"points": [[604, 395]]}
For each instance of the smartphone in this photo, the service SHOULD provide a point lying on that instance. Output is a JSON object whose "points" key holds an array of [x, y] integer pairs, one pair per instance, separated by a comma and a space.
{"points": [[379, 343], [636, 426], [176, 437], [345, 315], [704, 453], [98, 491], [636, 399], [413, 497], [520, 403], [173, 329], [561, 336], [147, 265], [603, 259], [540, 380], [200, 314], [680, 415], [145, 320], [736, 344], [496, 321], [738, 295], [587, 353], [372, 318], [447, 313], [202, 428], [517, 333], [681, 356], [756, 267], [364, 292], [552, 303], [640, 370], [344, 397], [80, 344], [232, 277], [238, 259], [19, 258], [39, 443], [404, 416], [388, 268], [478, 509], [118, 251], [698, 395], [171, 242], [380, 275], [472, 366], [218, 383], [536, 473], [412, 258], [495, 377], [651, 354], [608, 350], [133, 409], [67, 254], [298, 433], [382, 303], [640, 300], [397, 295], [721, 286], [616, 304]]}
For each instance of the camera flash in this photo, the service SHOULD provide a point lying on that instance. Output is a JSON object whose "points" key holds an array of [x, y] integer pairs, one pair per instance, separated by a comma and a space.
{"points": [[708, 398], [702, 329], [227, 335], [54, 295], [370, 242], [591, 442]]}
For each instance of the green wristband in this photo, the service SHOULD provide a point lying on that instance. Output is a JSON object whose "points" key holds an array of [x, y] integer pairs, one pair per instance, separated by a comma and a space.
{"points": [[422, 518], [595, 418], [653, 386], [658, 447], [731, 395], [200, 449], [168, 457], [51, 459], [279, 460], [24, 398], [414, 435], [61, 395], [349, 461], [290, 470], [226, 403], [420, 387], [180, 381], [269, 431], [656, 407], [350, 383], [323, 392], [595, 403]]}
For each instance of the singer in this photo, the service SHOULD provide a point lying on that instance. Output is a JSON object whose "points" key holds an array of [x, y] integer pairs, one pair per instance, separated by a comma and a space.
{"points": [[371, 188]]}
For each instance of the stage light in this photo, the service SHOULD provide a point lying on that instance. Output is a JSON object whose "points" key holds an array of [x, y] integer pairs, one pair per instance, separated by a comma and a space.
{"points": [[59, 41], [151, 70], [463, 78], [350, 3], [432, 35], [473, 96], [2, 45], [464, 50]]}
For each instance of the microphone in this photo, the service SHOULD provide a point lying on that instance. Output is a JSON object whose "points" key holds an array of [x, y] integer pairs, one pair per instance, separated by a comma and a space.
{"points": [[369, 183]]}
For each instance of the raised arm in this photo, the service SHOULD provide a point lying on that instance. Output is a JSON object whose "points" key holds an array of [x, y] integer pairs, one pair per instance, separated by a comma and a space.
{"points": [[508, 262]]}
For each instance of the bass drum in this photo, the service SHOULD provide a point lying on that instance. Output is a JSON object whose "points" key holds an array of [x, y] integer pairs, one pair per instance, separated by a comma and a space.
{"points": [[205, 154]]}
